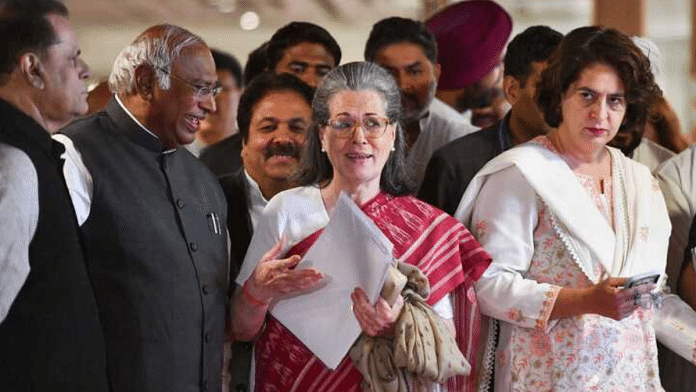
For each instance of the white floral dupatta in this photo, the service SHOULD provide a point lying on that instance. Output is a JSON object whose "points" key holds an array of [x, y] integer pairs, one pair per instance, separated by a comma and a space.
{"points": [[639, 241]]}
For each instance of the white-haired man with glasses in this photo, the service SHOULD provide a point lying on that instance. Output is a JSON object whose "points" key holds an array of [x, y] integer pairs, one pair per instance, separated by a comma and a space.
{"points": [[153, 218]]}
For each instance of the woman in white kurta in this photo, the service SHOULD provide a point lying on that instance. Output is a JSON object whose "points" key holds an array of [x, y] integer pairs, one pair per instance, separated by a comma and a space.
{"points": [[566, 219]]}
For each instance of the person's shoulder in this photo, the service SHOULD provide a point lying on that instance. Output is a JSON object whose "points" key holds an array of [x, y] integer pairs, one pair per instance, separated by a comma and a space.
{"points": [[425, 209], [441, 113], [684, 162], [85, 125], [470, 146], [295, 198], [223, 146], [14, 163]]}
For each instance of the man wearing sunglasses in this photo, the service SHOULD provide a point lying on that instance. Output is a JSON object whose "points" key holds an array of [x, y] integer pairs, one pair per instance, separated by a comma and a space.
{"points": [[153, 218]]}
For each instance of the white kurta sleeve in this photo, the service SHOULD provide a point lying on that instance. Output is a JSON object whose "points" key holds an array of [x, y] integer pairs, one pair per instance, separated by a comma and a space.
{"points": [[19, 216], [504, 217], [675, 327]]}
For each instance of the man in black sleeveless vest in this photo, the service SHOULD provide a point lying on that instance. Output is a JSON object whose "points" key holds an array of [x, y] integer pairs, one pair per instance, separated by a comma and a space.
{"points": [[153, 216], [50, 333]]}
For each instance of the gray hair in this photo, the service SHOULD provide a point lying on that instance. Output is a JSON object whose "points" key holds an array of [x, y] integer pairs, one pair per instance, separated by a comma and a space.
{"points": [[157, 46], [315, 168]]}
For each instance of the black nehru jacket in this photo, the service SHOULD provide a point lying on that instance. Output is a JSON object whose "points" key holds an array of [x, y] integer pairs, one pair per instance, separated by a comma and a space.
{"points": [[156, 240], [223, 157], [52, 339]]}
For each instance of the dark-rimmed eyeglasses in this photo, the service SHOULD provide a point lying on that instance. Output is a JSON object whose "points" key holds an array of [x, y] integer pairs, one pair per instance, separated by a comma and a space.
{"points": [[200, 92], [373, 127]]}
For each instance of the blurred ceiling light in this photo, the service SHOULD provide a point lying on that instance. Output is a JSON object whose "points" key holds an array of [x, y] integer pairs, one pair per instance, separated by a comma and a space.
{"points": [[249, 20], [224, 6]]}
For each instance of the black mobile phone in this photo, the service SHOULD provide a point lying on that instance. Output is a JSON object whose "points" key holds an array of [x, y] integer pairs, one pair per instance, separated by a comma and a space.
{"points": [[641, 279]]}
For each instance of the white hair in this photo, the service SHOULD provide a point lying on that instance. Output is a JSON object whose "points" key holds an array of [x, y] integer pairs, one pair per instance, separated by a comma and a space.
{"points": [[157, 46]]}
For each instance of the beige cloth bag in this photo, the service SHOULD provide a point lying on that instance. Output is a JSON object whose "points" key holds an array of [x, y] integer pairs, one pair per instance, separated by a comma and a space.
{"points": [[422, 352]]}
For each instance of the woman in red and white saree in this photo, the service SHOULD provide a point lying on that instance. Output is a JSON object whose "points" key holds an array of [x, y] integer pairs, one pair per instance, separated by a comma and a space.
{"points": [[356, 148]]}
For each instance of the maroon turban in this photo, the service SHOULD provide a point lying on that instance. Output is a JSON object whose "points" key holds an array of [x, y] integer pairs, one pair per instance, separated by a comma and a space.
{"points": [[470, 37]]}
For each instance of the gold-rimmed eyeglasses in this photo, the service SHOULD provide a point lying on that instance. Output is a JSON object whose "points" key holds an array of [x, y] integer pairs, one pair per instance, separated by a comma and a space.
{"points": [[200, 92], [373, 127]]}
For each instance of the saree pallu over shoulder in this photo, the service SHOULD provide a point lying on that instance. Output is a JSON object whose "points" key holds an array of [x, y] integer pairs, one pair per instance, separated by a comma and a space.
{"points": [[423, 236]]}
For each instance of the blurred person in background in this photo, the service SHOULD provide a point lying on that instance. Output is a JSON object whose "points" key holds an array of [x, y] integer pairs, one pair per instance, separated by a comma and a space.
{"points": [[221, 124], [471, 38], [452, 167], [406, 49]]}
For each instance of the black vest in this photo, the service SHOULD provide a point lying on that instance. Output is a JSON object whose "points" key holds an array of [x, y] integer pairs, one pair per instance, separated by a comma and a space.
{"points": [[155, 237], [52, 339]]}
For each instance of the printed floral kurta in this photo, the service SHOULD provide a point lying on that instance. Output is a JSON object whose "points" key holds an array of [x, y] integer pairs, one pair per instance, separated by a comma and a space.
{"points": [[535, 254]]}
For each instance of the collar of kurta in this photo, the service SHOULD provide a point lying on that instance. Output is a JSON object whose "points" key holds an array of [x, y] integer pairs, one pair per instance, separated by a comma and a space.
{"points": [[125, 124]]}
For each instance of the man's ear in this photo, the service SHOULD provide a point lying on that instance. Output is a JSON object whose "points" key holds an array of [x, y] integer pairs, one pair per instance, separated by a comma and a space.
{"points": [[511, 89], [145, 80], [437, 70], [33, 70]]}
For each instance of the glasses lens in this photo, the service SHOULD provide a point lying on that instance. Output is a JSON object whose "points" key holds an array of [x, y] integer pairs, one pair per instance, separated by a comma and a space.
{"points": [[342, 126], [373, 126]]}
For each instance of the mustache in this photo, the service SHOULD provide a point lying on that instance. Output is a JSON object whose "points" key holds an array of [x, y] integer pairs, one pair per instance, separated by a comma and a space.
{"points": [[479, 99], [288, 149]]}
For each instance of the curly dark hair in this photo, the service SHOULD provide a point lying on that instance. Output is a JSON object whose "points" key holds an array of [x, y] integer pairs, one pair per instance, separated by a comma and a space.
{"points": [[315, 167], [585, 46]]}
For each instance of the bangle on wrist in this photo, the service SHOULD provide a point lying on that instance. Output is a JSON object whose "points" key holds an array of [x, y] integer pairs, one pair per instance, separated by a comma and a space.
{"points": [[250, 297]]}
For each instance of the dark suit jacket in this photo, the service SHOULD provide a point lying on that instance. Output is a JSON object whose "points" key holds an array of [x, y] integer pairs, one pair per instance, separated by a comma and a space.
{"points": [[236, 190], [157, 256], [223, 157], [455, 164]]}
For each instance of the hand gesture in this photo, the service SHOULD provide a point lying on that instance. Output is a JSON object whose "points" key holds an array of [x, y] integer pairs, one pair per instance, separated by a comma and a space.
{"points": [[274, 278], [377, 320]]}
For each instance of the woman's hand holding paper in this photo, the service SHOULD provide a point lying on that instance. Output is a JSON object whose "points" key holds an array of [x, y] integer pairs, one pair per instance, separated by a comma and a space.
{"points": [[377, 320]]}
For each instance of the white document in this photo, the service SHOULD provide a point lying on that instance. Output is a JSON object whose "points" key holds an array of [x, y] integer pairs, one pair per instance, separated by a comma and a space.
{"points": [[351, 252]]}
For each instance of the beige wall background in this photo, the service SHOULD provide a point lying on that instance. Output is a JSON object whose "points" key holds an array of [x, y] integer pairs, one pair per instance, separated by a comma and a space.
{"points": [[106, 26]]}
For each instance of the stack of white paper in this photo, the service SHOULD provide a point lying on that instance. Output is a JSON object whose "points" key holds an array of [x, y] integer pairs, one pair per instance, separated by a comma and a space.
{"points": [[351, 252]]}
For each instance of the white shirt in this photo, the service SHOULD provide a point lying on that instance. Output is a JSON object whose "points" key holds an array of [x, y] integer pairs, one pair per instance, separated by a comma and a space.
{"points": [[19, 217], [257, 202], [440, 126]]}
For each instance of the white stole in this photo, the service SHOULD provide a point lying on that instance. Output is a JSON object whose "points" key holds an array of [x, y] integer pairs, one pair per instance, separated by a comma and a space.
{"points": [[590, 239]]}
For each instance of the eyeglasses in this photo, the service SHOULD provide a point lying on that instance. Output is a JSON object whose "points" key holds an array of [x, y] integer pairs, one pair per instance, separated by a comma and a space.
{"points": [[373, 127], [200, 92]]}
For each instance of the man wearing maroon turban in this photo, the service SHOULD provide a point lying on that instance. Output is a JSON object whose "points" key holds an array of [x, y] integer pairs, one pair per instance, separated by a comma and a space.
{"points": [[471, 36]]}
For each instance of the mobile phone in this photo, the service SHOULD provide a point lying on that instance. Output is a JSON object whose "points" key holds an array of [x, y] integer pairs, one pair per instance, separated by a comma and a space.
{"points": [[641, 279]]}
